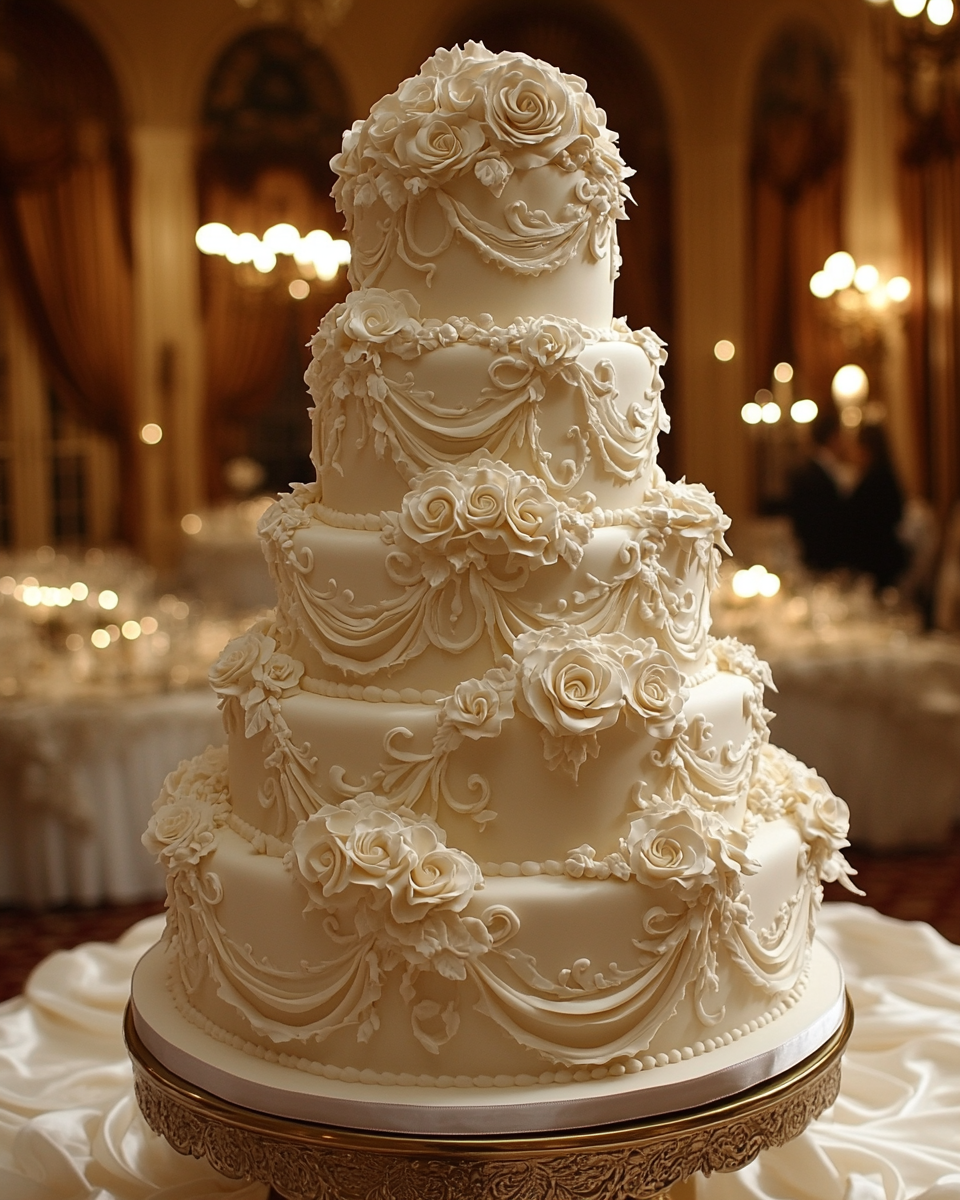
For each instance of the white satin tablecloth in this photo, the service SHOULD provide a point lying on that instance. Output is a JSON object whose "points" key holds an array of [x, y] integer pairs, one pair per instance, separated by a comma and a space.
{"points": [[77, 782], [70, 1128]]}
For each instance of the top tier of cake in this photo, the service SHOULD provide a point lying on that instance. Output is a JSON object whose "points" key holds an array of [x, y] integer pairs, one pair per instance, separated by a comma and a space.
{"points": [[486, 184]]}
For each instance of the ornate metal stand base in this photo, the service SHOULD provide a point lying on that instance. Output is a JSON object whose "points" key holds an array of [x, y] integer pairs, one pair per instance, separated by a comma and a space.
{"points": [[634, 1161]]}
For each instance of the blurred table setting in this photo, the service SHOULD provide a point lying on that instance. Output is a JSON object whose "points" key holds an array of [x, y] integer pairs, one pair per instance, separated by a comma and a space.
{"points": [[103, 690], [863, 695]]}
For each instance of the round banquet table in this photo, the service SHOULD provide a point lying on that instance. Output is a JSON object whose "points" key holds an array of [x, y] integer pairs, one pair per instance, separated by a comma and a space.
{"points": [[70, 1128], [881, 723], [78, 780]]}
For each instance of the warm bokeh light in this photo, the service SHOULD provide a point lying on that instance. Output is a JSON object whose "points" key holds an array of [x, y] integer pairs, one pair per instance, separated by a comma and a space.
{"points": [[821, 285], [850, 385], [770, 413], [851, 416], [940, 12], [131, 630], [803, 411], [100, 639], [756, 581], [191, 524], [840, 269], [149, 625], [282, 239], [79, 590], [866, 278], [108, 599], [751, 413], [898, 288], [783, 372], [151, 433], [299, 289], [724, 350], [74, 641], [214, 238], [909, 8], [264, 260]]}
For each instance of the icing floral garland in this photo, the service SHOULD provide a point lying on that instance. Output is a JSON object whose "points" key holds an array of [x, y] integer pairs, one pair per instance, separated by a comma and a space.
{"points": [[452, 521], [471, 114], [194, 803], [576, 687]]}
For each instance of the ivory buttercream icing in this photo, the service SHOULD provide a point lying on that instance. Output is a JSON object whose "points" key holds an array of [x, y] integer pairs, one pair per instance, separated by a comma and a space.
{"points": [[496, 809]]}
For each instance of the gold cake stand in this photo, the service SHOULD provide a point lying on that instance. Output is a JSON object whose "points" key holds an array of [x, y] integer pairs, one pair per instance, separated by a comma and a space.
{"points": [[633, 1161]]}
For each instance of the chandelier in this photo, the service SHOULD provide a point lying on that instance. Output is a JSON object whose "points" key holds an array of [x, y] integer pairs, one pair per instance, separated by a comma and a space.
{"points": [[315, 256], [312, 17]]}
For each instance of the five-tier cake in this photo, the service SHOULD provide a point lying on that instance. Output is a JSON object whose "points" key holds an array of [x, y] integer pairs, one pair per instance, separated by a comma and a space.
{"points": [[496, 810]]}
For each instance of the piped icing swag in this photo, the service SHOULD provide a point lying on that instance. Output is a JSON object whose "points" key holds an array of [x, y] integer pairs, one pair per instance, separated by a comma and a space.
{"points": [[472, 118]]}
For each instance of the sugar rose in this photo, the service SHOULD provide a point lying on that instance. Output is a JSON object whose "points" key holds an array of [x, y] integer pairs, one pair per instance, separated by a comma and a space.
{"points": [[180, 834], [823, 816], [570, 685], [529, 111], [281, 674], [232, 673], [438, 147], [375, 315], [478, 707], [436, 877], [654, 691], [548, 343], [666, 848]]}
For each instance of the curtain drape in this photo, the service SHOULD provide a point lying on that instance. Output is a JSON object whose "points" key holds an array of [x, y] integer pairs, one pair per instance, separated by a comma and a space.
{"points": [[64, 217], [797, 158], [249, 319], [930, 194]]}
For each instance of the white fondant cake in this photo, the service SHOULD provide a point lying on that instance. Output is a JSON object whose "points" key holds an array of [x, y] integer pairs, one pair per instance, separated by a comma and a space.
{"points": [[496, 810]]}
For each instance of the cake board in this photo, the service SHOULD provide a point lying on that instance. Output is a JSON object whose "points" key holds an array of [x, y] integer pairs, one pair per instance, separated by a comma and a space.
{"points": [[630, 1158]]}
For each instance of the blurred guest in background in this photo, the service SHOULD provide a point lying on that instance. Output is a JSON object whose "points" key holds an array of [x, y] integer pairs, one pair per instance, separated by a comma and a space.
{"points": [[845, 503]]}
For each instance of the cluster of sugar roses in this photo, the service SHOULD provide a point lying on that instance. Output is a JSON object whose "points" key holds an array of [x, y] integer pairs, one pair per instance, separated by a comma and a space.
{"points": [[252, 672], [455, 518], [391, 871], [471, 111], [193, 804], [574, 687]]}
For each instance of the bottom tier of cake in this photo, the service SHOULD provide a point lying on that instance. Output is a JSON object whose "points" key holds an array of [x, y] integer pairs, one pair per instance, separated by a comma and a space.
{"points": [[268, 1085], [534, 979]]}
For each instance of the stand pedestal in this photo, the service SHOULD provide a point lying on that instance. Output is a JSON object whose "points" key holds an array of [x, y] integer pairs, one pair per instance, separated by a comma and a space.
{"points": [[631, 1161]]}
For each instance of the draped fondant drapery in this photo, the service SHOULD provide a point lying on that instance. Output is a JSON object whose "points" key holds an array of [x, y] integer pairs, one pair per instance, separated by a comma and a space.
{"points": [[64, 217]]}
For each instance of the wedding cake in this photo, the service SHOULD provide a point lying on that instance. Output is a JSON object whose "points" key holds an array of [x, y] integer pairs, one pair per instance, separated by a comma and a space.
{"points": [[496, 811]]}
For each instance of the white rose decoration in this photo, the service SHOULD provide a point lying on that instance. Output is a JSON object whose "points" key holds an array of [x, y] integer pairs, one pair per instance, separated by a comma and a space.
{"points": [[180, 834], [478, 707], [823, 817], [281, 675], [438, 147], [363, 853], [233, 672], [436, 877], [570, 684], [375, 315], [667, 848], [529, 110], [548, 343], [655, 692]]}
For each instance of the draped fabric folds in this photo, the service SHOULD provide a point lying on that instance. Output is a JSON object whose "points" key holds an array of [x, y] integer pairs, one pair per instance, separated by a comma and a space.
{"points": [[64, 215], [930, 196], [796, 207]]}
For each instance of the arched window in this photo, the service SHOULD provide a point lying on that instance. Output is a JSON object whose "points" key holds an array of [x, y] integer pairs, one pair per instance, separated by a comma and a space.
{"points": [[273, 115], [589, 44]]}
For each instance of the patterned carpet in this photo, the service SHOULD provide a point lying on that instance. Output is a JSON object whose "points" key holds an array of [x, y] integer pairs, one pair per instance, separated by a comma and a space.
{"points": [[913, 887]]}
